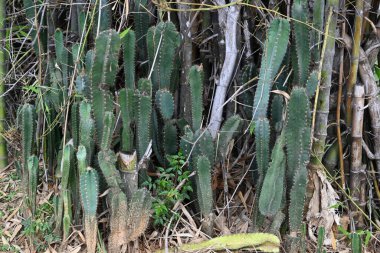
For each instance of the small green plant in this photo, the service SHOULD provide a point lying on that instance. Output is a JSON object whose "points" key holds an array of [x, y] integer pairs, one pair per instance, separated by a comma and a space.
{"points": [[166, 189]]}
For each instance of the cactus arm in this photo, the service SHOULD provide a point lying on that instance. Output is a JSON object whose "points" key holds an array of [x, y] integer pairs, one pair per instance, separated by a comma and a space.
{"points": [[82, 159], [144, 112], [204, 190], [165, 103], [259, 241], [89, 190], [65, 192], [129, 51], [108, 126], [302, 40], [86, 130], [262, 135], [33, 181], [273, 186], [196, 93], [75, 121], [127, 101], [170, 141], [274, 52], [27, 131], [311, 84], [107, 164]]}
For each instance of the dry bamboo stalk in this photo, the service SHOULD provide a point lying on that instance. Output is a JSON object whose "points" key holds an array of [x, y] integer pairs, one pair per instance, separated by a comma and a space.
{"points": [[357, 169], [354, 60]]}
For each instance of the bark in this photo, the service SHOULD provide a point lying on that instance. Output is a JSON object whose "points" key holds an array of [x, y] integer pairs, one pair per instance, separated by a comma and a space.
{"points": [[229, 18], [357, 169]]}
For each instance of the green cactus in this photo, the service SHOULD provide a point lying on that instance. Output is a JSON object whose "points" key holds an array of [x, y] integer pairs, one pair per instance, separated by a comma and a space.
{"points": [[162, 42], [196, 92], [311, 84], [105, 61], [297, 131], [316, 35], [65, 193], [262, 136], [142, 20], [33, 182], [108, 126], [86, 130], [144, 113], [297, 135], [101, 103], [165, 103], [103, 16], [273, 186], [186, 142], [129, 44], [62, 56], [277, 112], [89, 191], [107, 163], [127, 101], [203, 179], [170, 141], [28, 117], [82, 159], [302, 41], [75, 122], [274, 52], [204, 144]]}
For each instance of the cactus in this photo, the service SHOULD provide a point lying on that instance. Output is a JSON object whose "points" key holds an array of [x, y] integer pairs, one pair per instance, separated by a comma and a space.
{"points": [[89, 190], [262, 242], [82, 159], [118, 222], [297, 135], [203, 179], [108, 126], [75, 121], [170, 142], [62, 56], [138, 215], [129, 43], [302, 41], [65, 170], [86, 130], [103, 17], [101, 103], [28, 116], [273, 186], [162, 42], [262, 135], [165, 103], [318, 17], [311, 84], [274, 52], [229, 129], [196, 92], [277, 107], [127, 101], [144, 112], [33, 182], [141, 18], [107, 163]]}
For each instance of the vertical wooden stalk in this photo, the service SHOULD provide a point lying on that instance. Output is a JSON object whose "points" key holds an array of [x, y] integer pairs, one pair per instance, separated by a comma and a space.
{"points": [[354, 59], [3, 147], [357, 174], [339, 101], [323, 92]]}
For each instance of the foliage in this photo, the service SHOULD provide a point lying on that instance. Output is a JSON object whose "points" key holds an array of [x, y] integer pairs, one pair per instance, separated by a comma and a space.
{"points": [[165, 189]]}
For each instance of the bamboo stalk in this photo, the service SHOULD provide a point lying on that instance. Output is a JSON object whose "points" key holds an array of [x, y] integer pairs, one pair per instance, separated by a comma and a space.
{"points": [[354, 60], [323, 93], [357, 169], [339, 101], [3, 147]]}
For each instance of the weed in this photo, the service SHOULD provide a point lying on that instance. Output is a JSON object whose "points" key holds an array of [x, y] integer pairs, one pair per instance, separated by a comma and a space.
{"points": [[166, 189]]}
